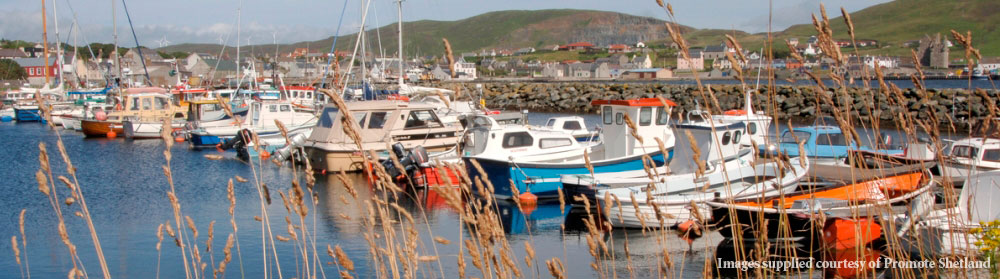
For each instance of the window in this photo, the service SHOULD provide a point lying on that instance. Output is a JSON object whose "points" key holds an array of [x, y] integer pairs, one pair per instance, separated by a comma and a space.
{"points": [[256, 112], [788, 137], [619, 117], [736, 136], [285, 108], [272, 108], [378, 120], [518, 139], [607, 115], [551, 123], [661, 116], [160, 103], [360, 116], [147, 104], [135, 104], [645, 116], [991, 155], [554, 142], [964, 151], [422, 119], [831, 139], [572, 125], [752, 128], [725, 138], [327, 116]]}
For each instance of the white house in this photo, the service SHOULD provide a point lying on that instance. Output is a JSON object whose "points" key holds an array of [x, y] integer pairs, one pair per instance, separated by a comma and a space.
{"points": [[640, 45], [881, 62], [642, 62], [469, 69], [989, 64], [697, 62]]}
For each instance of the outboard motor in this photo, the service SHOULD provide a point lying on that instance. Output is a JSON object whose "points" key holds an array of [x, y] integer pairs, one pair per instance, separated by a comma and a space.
{"points": [[410, 160], [285, 152], [237, 142]]}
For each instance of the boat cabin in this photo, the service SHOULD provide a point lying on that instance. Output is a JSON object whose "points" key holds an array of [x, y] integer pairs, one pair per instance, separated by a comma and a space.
{"points": [[975, 149], [825, 144], [384, 121], [651, 117], [573, 125], [489, 138], [304, 95], [263, 114], [146, 104]]}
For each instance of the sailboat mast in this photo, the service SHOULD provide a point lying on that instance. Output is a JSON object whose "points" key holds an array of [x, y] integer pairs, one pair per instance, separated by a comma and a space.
{"points": [[239, 18], [399, 5], [59, 55], [118, 60], [45, 44]]}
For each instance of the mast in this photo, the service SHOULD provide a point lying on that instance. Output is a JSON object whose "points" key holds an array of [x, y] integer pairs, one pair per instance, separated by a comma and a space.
{"points": [[45, 45], [399, 4], [239, 17], [59, 55], [118, 60]]}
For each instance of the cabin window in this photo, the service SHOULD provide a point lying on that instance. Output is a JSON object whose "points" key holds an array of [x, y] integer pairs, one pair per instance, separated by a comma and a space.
{"points": [[135, 104], [272, 108], [752, 128], [160, 103], [661, 116], [726, 137], [991, 155], [327, 117], [619, 117], [554, 142], [607, 115], [286, 108], [788, 137], [518, 139], [572, 125], [964, 151], [378, 120], [645, 116], [147, 104], [551, 123], [422, 119], [736, 136], [360, 116], [836, 139]]}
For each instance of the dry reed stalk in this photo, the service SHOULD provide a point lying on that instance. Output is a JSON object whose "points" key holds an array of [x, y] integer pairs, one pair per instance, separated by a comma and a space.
{"points": [[24, 241], [451, 58], [562, 201], [342, 259], [556, 268], [632, 129]]}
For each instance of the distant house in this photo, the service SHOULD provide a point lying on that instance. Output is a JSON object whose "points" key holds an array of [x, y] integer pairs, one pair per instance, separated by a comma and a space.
{"points": [[778, 64], [469, 54], [793, 64], [526, 50], [619, 48], [640, 45], [989, 64], [577, 46], [697, 61], [652, 73], [440, 74], [553, 70], [722, 64], [467, 69], [642, 62], [8, 53], [715, 52], [616, 59], [793, 41], [35, 68], [298, 52]]}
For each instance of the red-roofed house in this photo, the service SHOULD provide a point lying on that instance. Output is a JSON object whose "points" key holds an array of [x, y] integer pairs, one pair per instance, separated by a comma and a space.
{"points": [[577, 46], [619, 48]]}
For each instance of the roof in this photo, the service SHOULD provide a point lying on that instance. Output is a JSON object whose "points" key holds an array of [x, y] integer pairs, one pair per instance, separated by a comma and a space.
{"points": [[643, 102], [224, 65], [307, 88], [580, 44], [6, 52], [617, 46], [715, 48], [33, 62], [818, 129]]}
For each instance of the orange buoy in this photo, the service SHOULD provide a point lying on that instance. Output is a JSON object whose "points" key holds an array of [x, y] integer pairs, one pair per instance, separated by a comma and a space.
{"points": [[179, 139], [690, 226], [264, 154], [527, 209], [735, 112], [219, 147], [842, 233], [527, 198], [112, 134]]}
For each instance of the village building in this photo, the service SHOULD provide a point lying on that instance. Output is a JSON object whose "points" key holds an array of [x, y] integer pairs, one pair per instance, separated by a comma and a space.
{"points": [[647, 74], [8, 53], [619, 48], [35, 68], [697, 61], [576, 46], [933, 52]]}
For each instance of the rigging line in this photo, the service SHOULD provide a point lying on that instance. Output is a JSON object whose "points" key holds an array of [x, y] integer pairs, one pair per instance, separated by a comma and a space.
{"points": [[106, 74], [137, 46], [333, 46]]}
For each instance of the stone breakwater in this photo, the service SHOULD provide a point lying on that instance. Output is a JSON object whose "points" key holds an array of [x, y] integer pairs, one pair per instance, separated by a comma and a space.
{"points": [[791, 101]]}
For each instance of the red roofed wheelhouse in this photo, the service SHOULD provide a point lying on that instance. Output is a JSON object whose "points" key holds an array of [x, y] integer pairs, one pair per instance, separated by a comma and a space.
{"points": [[642, 102], [577, 46]]}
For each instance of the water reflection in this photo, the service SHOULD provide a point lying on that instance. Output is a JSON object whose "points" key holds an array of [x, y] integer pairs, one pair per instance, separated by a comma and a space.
{"points": [[534, 218]]}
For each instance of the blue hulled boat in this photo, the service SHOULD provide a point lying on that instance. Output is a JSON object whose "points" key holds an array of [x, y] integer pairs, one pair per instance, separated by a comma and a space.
{"points": [[533, 160]]}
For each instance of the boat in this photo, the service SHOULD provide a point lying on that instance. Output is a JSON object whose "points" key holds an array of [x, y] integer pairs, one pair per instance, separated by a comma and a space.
{"points": [[952, 230], [793, 215], [980, 152], [823, 143], [510, 155], [412, 124], [665, 200], [27, 112], [304, 97], [148, 129], [149, 104], [260, 119], [574, 125]]}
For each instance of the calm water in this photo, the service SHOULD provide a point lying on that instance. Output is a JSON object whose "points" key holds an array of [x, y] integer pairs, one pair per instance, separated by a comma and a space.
{"points": [[126, 193], [935, 84]]}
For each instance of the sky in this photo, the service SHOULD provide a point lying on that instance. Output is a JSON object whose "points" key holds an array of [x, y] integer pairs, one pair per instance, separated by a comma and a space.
{"points": [[286, 21]]}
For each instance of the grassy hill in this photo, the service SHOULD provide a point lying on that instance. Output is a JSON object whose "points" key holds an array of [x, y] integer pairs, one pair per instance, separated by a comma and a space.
{"points": [[891, 24], [896, 22]]}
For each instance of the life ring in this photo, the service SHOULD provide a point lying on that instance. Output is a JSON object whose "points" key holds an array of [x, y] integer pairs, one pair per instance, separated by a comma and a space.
{"points": [[398, 97]]}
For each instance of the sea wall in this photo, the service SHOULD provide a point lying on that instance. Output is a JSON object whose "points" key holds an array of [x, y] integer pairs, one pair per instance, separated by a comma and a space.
{"points": [[790, 101]]}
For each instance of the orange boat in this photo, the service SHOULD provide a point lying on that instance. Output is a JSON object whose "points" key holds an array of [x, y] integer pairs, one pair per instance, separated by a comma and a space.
{"points": [[140, 104], [870, 198]]}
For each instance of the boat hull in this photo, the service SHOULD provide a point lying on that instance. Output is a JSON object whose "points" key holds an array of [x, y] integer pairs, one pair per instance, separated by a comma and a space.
{"points": [[348, 161], [94, 128], [544, 180], [27, 115]]}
